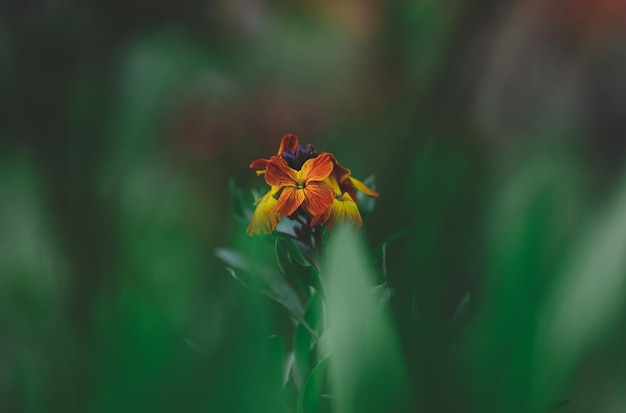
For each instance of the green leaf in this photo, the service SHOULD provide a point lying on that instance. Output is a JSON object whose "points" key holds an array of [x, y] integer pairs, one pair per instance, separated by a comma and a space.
{"points": [[284, 294], [240, 207], [309, 398], [273, 353], [232, 258], [290, 388], [282, 256], [323, 345], [290, 260], [367, 368], [307, 254], [266, 281], [383, 248], [367, 203], [383, 291], [587, 302], [461, 309], [296, 256], [303, 340]]}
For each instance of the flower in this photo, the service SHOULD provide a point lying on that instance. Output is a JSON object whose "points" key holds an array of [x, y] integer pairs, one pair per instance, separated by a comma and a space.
{"points": [[306, 187], [264, 217], [314, 189], [288, 143]]}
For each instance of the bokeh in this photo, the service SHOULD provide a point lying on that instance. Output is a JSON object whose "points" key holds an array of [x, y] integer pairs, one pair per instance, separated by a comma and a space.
{"points": [[496, 131]]}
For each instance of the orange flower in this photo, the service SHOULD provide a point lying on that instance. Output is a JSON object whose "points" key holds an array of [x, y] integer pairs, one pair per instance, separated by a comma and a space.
{"points": [[288, 143], [306, 187], [300, 178], [264, 217]]}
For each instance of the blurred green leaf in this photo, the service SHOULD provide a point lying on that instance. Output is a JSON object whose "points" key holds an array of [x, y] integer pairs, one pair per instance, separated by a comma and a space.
{"points": [[367, 366], [389, 241], [282, 256], [274, 351], [296, 256], [367, 203], [587, 302], [241, 208], [461, 309], [303, 340], [309, 400], [265, 280], [233, 258], [535, 220], [383, 291], [300, 254], [289, 258]]}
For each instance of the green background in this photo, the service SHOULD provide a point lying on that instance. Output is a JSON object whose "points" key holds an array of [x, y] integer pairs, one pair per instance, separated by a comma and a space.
{"points": [[495, 131]]}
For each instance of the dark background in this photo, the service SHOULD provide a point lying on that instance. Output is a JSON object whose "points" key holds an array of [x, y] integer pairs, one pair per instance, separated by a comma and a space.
{"points": [[495, 130]]}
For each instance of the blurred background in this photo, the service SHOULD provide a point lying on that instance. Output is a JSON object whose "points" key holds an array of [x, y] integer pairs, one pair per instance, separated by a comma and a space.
{"points": [[495, 130]]}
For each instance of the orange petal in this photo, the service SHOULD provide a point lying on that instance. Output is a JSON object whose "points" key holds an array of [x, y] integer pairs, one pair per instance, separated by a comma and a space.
{"points": [[290, 199], [320, 219], [316, 169], [348, 187], [361, 187], [264, 218], [318, 196], [339, 171], [288, 143], [259, 164], [277, 173]]}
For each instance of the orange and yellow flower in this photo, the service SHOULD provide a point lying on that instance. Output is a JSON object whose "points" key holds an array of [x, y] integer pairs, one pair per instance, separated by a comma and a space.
{"points": [[306, 185]]}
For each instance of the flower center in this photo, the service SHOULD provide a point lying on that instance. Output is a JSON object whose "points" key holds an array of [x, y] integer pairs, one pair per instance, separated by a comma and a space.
{"points": [[300, 185], [299, 156]]}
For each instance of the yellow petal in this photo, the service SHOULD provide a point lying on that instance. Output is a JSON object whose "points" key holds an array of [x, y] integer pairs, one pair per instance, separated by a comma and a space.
{"points": [[332, 181], [264, 218], [362, 188], [344, 209]]}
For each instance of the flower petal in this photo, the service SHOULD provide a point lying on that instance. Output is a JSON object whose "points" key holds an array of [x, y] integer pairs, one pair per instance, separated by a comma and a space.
{"points": [[318, 196], [316, 169], [264, 218], [288, 143], [320, 219], [277, 173], [351, 211], [339, 171], [290, 199], [332, 181], [347, 187], [259, 164], [361, 187], [344, 209]]}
